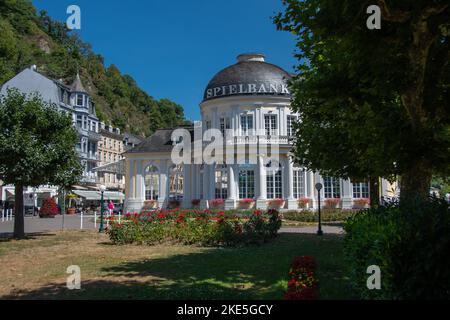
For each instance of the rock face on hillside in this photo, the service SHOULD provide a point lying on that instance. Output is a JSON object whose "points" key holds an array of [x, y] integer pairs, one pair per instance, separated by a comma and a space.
{"points": [[30, 38]]}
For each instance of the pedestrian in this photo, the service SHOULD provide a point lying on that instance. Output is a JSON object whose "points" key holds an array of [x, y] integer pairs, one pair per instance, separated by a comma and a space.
{"points": [[110, 207]]}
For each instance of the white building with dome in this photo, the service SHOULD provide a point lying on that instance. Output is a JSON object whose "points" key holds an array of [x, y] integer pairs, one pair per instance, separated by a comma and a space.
{"points": [[249, 101]]}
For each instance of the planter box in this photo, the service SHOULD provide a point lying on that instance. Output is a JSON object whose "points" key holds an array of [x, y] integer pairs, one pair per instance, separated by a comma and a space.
{"points": [[246, 206], [276, 205], [71, 211], [47, 216]]}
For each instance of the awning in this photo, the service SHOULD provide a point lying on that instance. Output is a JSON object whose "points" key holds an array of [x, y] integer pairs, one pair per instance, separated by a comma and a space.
{"points": [[96, 195], [114, 167]]}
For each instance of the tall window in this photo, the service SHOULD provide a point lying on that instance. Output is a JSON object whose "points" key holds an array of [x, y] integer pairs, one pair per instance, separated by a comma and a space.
{"points": [[360, 190], [299, 183], [246, 123], [274, 183], [151, 183], [246, 184], [80, 100], [176, 182], [290, 125], [221, 182], [332, 187], [79, 121], [270, 124], [224, 125]]}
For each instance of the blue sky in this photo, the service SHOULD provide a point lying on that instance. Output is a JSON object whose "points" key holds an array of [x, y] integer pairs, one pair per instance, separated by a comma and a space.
{"points": [[173, 48]]}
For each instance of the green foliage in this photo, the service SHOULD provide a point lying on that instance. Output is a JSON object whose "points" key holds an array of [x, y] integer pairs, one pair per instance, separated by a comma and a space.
{"points": [[195, 228], [372, 103], [37, 142], [327, 215], [30, 38], [410, 243]]}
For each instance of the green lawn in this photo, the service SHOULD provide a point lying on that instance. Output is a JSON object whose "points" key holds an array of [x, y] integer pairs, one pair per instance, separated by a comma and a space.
{"points": [[35, 268]]}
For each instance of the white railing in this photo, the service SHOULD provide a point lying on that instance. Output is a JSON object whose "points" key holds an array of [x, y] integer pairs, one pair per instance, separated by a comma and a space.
{"points": [[260, 140]]}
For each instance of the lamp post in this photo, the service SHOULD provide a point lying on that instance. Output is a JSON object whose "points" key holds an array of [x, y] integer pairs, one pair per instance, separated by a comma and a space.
{"points": [[102, 190], [318, 188]]}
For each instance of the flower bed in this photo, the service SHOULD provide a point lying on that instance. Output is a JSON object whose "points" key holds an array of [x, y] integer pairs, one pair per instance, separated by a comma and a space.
{"points": [[195, 227], [302, 284]]}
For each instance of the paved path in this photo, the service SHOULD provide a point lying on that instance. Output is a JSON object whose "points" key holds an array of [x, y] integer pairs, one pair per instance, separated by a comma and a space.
{"points": [[313, 230], [36, 224]]}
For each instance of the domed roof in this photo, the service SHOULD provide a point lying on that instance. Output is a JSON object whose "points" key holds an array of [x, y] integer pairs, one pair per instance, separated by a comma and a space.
{"points": [[251, 75]]}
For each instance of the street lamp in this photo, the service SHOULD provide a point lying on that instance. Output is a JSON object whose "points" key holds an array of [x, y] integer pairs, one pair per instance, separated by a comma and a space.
{"points": [[102, 208], [318, 188]]}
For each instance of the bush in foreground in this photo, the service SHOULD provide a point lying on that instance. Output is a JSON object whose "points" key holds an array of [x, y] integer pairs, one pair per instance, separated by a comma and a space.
{"points": [[195, 227], [411, 245]]}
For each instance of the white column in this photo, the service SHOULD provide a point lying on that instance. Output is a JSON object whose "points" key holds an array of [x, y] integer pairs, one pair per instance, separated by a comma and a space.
{"points": [[292, 203], [261, 202], [347, 194], [140, 182], [212, 181], [230, 203], [132, 179]]}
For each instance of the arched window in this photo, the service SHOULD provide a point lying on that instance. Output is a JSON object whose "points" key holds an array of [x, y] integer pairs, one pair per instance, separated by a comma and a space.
{"points": [[221, 182], [176, 182], [274, 180], [151, 183], [331, 188]]}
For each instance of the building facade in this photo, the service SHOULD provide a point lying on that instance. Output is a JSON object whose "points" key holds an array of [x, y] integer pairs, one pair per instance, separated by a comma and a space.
{"points": [[73, 100], [248, 104]]}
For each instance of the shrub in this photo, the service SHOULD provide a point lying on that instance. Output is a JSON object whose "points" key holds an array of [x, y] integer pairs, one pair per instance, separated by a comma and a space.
{"points": [[302, 284], [49, 208], [410, 242], [332, 203], [195, 227], [328, 215], [196, 202]]}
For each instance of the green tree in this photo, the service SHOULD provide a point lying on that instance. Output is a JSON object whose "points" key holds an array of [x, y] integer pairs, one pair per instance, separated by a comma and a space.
{"points": [[37, 146], [372, 103]]}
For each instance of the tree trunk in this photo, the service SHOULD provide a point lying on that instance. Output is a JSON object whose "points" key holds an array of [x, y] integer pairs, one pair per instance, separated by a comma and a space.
{"points": [[19, 223], [416, 181], [374, 188]]}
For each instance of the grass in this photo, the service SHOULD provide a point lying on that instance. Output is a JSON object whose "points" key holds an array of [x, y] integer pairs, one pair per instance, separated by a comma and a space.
{"points": [[36, 268]]}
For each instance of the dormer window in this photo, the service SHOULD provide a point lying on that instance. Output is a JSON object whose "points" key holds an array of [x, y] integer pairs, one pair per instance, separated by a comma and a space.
{"points": [[80, 100]]}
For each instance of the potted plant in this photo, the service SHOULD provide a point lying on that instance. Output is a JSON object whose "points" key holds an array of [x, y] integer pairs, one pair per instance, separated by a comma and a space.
{"points": [[71, 209], [49, 208], [361, 203], [304, 203], [216, 203], [276, 203], [246, 203], [332, 203]]}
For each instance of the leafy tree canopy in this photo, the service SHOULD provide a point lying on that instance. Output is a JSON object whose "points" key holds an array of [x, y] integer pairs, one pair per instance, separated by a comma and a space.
{"points": [[373, 103]]}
